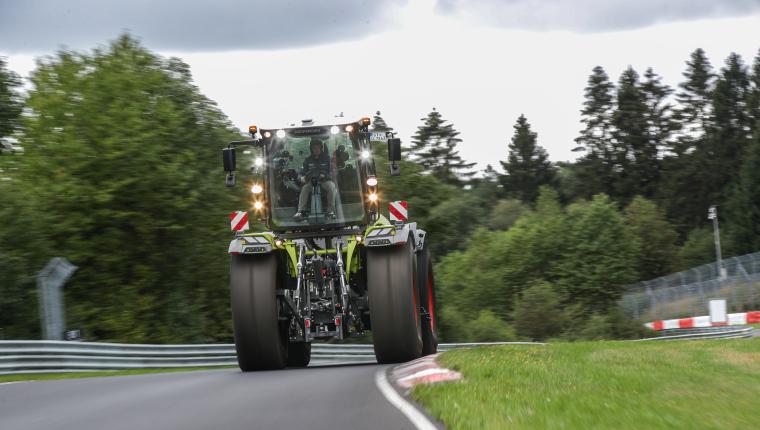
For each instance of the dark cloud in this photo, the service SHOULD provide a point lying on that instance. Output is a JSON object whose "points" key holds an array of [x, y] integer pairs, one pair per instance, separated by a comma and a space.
{"points": [[189, 25], [593, 15]]}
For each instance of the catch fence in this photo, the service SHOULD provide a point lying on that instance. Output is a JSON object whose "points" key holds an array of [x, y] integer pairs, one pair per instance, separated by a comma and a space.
{"points": [[688, 293]]}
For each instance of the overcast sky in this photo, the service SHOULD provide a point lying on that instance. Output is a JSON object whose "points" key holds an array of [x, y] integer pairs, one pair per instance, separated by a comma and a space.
{"points": [[481, 63]]}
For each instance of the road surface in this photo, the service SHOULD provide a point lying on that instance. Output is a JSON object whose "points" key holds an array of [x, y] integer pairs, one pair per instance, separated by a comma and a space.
{"points": [[324, 397]]}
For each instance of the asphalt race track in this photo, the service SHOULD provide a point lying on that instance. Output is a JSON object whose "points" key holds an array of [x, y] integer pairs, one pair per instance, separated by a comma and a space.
{"points": [[323, 397]]}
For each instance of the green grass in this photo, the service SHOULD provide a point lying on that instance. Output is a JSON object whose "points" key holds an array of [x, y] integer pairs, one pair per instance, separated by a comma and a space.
{"points": [[601, 385], [69, 375]]}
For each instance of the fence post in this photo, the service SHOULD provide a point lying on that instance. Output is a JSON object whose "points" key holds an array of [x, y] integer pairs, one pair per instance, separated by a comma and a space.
{"points": [[49, 285]]}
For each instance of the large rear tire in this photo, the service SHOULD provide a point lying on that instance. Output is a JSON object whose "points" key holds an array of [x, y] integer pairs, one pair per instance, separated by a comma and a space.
{"points": [[299, 354], [426, 286], [393, 303], [261, 340]]}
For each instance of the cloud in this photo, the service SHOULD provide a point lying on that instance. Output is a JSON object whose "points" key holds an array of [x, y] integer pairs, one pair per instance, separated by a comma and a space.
{"points": [[588, 16], [182, 25]]}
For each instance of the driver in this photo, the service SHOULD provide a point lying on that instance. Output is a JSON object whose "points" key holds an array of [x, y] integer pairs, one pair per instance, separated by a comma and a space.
{"points": [[316, 170]]}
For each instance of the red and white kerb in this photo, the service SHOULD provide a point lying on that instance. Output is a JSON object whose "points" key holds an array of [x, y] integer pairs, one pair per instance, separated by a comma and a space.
{"points": [[397, 210], [239, 221]]}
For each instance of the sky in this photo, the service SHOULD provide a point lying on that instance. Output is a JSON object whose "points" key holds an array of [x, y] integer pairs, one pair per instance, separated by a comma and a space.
{"points": [[480, 63]]}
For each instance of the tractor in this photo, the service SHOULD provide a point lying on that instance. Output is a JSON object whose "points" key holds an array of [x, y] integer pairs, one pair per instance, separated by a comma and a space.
{"points": [[324, 264]]}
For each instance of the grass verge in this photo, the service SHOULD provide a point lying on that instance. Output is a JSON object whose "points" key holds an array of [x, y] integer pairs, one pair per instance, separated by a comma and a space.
{"points": [[99, 373], [621, 385]]}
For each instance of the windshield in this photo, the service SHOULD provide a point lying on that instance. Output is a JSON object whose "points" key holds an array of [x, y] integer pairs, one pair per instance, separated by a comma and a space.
{"points": [[314, 180]]}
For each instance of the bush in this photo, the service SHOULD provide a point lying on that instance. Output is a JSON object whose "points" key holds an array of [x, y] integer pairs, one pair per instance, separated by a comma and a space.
{"points": [[487, 327], [538, 314]]}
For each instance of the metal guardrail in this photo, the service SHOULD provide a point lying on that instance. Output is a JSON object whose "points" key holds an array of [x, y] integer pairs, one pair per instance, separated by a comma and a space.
{"points": [[30, 356], [724, 332]]}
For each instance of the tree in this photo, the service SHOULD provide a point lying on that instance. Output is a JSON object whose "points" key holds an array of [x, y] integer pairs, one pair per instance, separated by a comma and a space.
{"points": [[121, 170], [728, 139], [659, 111], [599, 257], [686, 178], [635, 154], [597, 166], [698, 248], [10, 100], [657, 253], [527, 166], [744, 204], [694, 106], [753, 96], [434, 148], [505, 213], [378, 123]]}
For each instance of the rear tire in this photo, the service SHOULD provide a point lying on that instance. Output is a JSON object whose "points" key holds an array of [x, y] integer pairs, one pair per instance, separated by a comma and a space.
{"points": [[426, 286], [261, 340], [299, 354], [393, 303]]}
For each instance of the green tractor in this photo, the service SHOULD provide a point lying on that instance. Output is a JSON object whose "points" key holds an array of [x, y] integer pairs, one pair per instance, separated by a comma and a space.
{"points": [[327, 264]]}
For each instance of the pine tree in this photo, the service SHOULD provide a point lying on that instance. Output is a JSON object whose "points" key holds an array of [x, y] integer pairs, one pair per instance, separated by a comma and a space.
{"points": [[434, 148], [659, 112], [686, 178], [636, 156], [727, 139], [378, 123], [527, 166], [753, 96], [597, 166], [744, 204], [694, 106], [10, 101]]}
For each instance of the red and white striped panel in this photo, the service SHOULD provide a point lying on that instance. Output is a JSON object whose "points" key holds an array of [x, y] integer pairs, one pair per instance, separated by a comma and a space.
{"points": [[423, 370], [239, 221], [740, 318], [397, 210]]}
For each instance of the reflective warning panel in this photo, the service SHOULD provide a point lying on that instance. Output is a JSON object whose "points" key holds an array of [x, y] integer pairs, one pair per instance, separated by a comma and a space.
{"points": [[239, 221], [397, 211]]}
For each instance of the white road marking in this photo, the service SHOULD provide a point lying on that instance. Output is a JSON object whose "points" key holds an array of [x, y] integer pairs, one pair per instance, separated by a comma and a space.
{"points": [[418, 419]]}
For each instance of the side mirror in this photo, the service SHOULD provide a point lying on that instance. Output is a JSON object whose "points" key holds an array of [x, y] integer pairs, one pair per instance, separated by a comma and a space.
{"points": [[228, 158], [394, 149], [394, 155]]}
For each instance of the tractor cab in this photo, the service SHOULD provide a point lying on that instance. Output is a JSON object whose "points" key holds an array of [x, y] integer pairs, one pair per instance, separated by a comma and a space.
{"points": [[311, 177]]}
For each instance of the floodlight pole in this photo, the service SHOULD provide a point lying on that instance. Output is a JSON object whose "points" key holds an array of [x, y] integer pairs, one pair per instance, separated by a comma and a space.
{"points": [[712, 213]]}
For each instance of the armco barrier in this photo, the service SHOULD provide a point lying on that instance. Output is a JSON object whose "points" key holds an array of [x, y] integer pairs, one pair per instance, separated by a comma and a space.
{"points": [[25, 356], [719, 332]]}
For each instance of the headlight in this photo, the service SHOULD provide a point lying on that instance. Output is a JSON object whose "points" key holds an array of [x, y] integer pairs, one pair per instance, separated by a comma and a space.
{"points": [[372, 181], [334, 129], [258, 161], [373, 197], [257, 189], [258, 206], [366, 154], [280, 134]]}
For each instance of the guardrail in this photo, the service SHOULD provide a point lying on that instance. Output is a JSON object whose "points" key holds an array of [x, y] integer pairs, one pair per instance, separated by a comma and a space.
{"points": [[721, 332], [28, 356]]}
